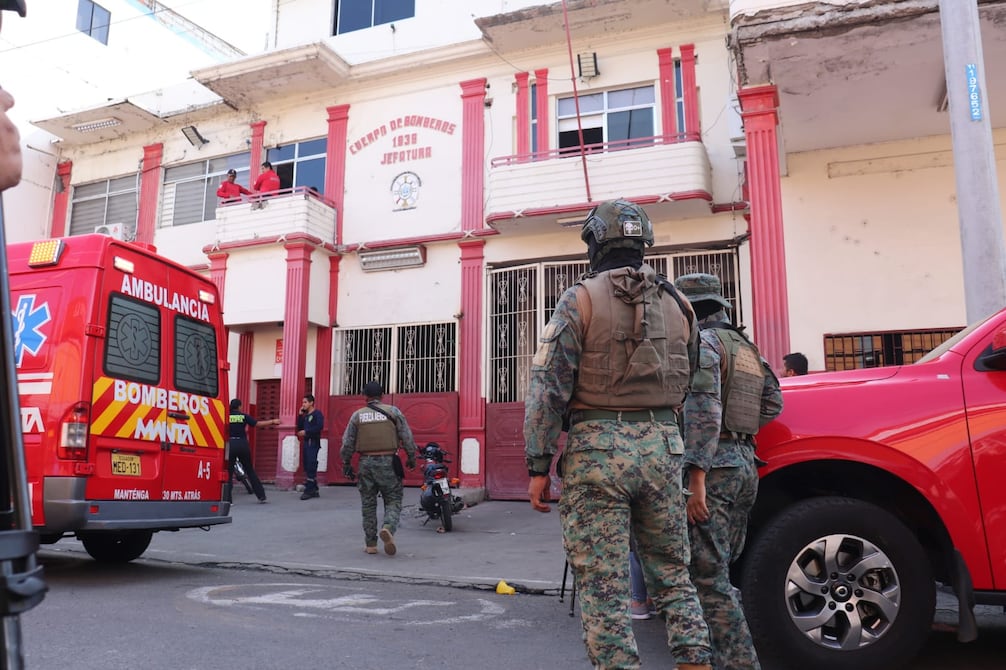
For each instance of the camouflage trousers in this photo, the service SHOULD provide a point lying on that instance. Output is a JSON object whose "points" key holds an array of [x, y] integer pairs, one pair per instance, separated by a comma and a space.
{"points": [[730, 495], [617, 477], [377, 476]]}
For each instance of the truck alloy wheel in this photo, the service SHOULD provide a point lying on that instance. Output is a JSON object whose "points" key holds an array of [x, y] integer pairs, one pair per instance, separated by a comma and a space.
{"points": [[836, 583]]}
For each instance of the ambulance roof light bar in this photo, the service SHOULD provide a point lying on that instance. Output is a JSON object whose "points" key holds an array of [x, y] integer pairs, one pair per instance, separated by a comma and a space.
{"points": [[45, 253]]}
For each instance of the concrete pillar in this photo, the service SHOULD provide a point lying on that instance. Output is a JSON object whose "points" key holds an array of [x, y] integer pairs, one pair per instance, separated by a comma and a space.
{"points": [[759, 109]]}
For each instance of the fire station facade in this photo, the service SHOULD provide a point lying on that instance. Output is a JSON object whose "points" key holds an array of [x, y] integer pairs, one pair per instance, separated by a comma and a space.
{"points": [[430, 205]]}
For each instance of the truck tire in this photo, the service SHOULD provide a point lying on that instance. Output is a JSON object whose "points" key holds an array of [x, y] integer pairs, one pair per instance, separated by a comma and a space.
{"points": [[835, 583], [116, 546]]}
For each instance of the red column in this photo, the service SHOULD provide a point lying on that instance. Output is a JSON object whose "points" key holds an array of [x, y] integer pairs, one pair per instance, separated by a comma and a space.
{"points": [[257, 156], [218, 272], [768, 252], [665, 60], [471, 410], [473, 133], [291, 384], [323, 375], [541, 84], [335, 166], [523, 115], [61, 201], [471, 415], [690, 91], [150, 188], [242, 388]]}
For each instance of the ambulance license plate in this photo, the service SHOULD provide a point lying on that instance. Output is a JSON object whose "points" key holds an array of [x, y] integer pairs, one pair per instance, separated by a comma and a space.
{"points": [[126, 464]]}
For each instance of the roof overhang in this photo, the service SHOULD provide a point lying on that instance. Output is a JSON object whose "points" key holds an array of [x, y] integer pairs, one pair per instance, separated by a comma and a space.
{"points": [[856, 75], [295, 71], [118, 119], [541, 25]]}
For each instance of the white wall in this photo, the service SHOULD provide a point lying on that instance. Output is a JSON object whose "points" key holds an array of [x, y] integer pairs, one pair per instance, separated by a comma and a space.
{"points": [[256, 286], [429, 293], [872, 241], [264, 354]]}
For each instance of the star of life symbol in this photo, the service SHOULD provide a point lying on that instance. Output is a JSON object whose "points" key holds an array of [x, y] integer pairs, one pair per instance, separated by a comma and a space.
{"points": [[28, 321]]}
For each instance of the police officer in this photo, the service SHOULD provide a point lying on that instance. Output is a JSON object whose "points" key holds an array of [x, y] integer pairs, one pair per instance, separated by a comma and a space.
{"points": [[614, 362], [376, 432], [240, 450], [310, 423], [734, 392]]}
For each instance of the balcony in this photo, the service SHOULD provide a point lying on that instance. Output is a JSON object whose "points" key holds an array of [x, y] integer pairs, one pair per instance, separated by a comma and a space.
{"points": [[298, 210], [670, 175]]}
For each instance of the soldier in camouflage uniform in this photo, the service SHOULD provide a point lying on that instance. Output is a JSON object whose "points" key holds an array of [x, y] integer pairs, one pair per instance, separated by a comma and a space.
{"points": [[376, 432], [614, 362], [733, 394]]}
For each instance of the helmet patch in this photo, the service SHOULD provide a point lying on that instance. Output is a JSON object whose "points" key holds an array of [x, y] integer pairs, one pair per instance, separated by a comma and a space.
{"points": [[632, 227]]}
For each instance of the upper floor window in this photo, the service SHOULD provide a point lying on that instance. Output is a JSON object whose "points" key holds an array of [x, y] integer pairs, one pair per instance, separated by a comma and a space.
{"points": [[679, 99], [534, 117], [623, 118], [353, 15], [109, 205], [300, 164], [93, 20], [190, 190]]}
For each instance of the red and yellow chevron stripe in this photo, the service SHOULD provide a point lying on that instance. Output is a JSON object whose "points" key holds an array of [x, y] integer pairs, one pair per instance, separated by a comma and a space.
{"points": [[111, 417]]}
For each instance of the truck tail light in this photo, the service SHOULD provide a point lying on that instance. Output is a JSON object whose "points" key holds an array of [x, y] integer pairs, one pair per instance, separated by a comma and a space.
{"points": [[73, 433]]}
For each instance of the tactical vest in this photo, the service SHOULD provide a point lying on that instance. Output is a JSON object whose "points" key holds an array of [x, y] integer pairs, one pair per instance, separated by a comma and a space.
{"points": [[635, 348], [741, 384], [375, 431]]}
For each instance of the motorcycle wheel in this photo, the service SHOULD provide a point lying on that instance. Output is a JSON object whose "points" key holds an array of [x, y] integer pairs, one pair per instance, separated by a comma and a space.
{"points": [[445, 515]]}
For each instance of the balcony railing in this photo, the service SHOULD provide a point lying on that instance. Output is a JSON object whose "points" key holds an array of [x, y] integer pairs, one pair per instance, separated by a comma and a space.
{"points": [[671, 169], [602, 147], [277, 214]]}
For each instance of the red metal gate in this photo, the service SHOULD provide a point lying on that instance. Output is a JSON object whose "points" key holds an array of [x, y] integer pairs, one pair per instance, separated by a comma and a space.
{"points": [[432, 417], [265, 442]]}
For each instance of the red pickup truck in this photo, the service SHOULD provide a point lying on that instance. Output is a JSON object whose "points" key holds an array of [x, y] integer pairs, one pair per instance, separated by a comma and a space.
{"points": [[880, 483]]}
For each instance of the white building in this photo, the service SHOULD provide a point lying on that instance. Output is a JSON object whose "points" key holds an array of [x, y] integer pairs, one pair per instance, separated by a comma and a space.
{"points": [[433, 181]]}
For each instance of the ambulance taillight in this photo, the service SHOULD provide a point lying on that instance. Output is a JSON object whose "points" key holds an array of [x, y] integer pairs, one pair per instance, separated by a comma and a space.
{"points": [[73, 434]]}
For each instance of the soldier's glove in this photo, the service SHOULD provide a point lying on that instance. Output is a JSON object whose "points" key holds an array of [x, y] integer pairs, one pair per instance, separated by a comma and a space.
{"points": [[347, 471], [410, 463]]}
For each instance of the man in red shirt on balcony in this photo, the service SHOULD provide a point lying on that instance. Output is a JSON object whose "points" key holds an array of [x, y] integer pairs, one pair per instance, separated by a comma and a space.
{"points": [[230, 190], [266, 184]]}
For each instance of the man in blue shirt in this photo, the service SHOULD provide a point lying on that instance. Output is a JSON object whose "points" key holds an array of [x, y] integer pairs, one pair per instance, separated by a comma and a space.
{"points": [[310, 423]]}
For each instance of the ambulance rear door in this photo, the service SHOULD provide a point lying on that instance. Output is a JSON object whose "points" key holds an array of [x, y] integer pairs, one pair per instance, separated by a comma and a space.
{"points": [[129, 413], [194, 466]]}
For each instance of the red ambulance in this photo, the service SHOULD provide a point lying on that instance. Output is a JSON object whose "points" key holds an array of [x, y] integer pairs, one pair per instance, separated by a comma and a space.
{"points": [[122, 377]]}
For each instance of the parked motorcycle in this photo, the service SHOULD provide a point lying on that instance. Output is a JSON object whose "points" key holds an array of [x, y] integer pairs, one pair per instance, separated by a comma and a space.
{"points": [[436, 498]]}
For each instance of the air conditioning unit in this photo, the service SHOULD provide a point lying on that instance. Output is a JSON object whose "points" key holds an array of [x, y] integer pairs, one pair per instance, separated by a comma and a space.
{"points": [[115, 230]]}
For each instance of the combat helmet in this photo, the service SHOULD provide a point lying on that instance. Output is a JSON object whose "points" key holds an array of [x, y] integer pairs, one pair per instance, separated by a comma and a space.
{"points": [[616, 224]]}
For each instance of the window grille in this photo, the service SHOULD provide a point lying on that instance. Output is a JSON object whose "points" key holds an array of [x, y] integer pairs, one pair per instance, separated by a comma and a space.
{"points": [[852, 351], [521, 300], [190, 191], [353, 15], [104, 202], [409, 358]]}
